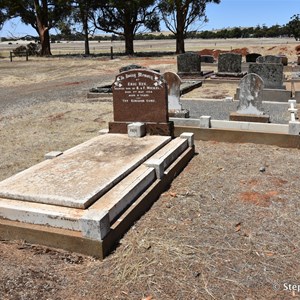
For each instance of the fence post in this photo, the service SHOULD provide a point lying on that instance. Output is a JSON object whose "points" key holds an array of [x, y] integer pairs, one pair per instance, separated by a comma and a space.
{"points": [[26, 55], [111, 52], [10, 53]]}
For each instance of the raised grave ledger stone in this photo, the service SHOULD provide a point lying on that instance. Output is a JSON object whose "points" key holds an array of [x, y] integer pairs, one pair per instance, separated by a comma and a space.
{"points": [[268, 59], [271, 73], [130, 67], [140, 96], [189, 63]]}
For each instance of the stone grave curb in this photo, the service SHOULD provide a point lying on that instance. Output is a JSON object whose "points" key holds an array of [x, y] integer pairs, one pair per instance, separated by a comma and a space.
{"points": [[97, 240]]}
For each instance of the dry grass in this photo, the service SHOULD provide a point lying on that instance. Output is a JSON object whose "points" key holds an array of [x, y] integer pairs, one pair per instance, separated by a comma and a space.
{"points": [[223, 230]]}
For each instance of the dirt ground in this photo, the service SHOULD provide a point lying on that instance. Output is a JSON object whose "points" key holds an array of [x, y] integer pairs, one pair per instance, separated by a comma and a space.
{"points": [[227, 228]]}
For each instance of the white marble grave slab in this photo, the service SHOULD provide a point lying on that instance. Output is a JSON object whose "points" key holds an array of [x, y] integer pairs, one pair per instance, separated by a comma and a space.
{"points": [[82, 174]]}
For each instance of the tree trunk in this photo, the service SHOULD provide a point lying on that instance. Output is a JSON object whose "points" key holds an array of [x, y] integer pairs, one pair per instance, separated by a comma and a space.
{"points": [[86, 36], [45, 42], [128, 33], [129, 44], [180, 32], [180, 43], [42, 26]]}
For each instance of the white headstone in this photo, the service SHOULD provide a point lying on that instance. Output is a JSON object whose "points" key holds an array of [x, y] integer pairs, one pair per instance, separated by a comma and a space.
{"points": [[173, 81], [251, 87]]}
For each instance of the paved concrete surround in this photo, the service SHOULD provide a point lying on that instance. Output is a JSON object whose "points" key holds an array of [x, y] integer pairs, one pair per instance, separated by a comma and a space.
{"points": [[82, 174]]}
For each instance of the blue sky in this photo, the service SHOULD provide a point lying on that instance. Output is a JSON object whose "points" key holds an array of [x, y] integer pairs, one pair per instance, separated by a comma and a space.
{"points": [[229, 13]]}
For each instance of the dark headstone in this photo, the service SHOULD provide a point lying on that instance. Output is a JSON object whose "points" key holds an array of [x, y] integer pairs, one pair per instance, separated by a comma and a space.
{"points": [[230, 63], [284, 59], [251, 57], [189, 63], [268, 59], [207, 59], [140, 96], [271, 74]]}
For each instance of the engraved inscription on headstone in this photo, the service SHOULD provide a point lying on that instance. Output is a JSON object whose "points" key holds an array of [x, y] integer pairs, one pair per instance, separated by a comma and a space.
{"points": [[251, 87], [140, 96]]}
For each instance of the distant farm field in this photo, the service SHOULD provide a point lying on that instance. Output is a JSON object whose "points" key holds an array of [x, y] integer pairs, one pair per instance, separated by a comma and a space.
{"points": [[259, 45]]}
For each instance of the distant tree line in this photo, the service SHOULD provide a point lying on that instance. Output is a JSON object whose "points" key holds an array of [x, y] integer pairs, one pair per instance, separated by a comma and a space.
{"points": [[127, 20]]}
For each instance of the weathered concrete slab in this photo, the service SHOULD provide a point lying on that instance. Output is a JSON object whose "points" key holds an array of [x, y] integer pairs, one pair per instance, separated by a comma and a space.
{"points": [[84, 173]]}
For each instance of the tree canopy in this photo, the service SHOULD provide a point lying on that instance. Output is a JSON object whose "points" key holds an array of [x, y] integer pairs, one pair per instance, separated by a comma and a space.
{"points": [[125, 18], [179, 15], [294, 27], [42, 15]]}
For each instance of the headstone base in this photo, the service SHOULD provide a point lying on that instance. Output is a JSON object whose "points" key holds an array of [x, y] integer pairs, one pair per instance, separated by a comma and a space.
{"points": [[229, 74], [273, 95], [183, 113], [249, 118], [195, 75], [164, 129]]}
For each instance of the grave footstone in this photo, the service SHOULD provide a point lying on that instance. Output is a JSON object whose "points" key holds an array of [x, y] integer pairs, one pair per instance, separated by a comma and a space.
{"points": [[140, 95], [268, 59], [251, 57], [189, 63], [175, 107], [230, 65], [250, 100]]}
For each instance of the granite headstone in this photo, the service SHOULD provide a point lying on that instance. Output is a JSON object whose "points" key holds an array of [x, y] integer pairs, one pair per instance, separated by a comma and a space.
{"points": [[207, 59], [271, 74], [268, 59], [189, 63], [140, 95], [252, 57], [230, 63]]}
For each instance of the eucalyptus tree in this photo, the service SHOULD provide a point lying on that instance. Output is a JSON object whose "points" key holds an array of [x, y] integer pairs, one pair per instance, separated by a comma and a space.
{"points": [[125, 18], [293, 27], [82, 13], [42, 15], [179, 15]]}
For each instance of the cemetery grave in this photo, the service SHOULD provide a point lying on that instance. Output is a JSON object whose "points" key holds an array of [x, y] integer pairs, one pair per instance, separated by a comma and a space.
{"points": [[185, 226], [84, 199]]}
